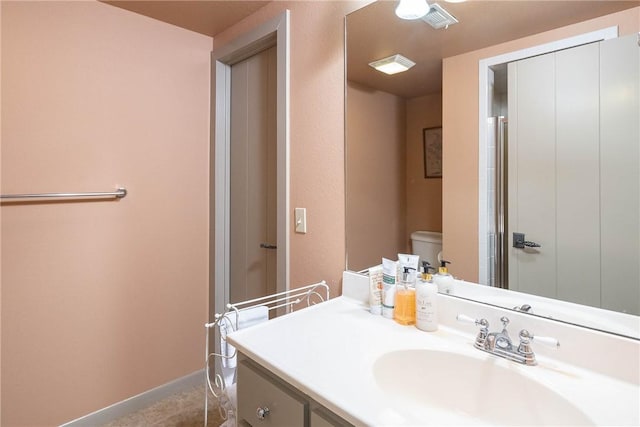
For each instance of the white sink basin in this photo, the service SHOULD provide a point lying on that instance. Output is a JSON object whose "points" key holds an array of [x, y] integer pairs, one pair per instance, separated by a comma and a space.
{"points": [[451, 388]]}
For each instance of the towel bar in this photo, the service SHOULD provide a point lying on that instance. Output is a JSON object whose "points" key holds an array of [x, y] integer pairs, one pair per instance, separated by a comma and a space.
{"points": [[118, 194]]}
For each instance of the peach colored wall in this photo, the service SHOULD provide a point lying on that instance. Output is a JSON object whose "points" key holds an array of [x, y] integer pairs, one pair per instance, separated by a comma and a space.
{"points": [[100, 300], [376, 211], [385, 131], [460, 127], [424, 196], [317, 132]]}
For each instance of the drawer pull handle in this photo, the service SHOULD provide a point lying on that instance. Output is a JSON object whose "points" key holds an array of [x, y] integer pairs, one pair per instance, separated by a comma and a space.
{"points": [[261, 413]]}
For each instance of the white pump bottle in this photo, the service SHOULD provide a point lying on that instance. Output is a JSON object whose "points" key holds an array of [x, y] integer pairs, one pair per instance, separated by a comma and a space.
{"points": [[426, 301]]}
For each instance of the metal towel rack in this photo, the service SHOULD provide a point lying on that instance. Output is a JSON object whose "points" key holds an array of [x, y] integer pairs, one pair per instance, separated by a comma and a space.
{"points": [[311, 294], [118, 194]]}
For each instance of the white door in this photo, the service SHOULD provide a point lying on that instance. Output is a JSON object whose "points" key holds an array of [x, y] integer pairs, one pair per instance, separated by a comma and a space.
{"points": [[572, 163], [620, 172], [253, 208]]}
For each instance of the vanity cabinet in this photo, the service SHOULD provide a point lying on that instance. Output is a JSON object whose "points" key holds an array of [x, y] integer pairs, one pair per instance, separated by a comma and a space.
{"points": [[264, 399]]}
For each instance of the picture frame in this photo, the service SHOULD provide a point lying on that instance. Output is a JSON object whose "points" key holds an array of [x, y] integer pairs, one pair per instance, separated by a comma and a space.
{"points": [[432, 149]]}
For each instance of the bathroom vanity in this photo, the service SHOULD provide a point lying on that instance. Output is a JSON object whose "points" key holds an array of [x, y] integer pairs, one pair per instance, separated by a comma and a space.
{"points": [[268, 400], [336, 364]]}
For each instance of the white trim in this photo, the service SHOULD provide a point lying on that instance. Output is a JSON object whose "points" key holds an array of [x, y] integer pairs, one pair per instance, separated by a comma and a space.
{"points": [[283, 161], [221, 77], [483, 114], [275, 30], [143, 400]]}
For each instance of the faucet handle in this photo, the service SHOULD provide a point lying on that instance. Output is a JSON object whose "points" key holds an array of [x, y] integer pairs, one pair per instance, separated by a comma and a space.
{"points": [[550, 341], [478, 322], [525, 345], [481, 338]]}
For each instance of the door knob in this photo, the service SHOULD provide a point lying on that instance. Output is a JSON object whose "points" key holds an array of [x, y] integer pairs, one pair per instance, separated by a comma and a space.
{"points": [[261, 413], [520, 243], [268, 246]]}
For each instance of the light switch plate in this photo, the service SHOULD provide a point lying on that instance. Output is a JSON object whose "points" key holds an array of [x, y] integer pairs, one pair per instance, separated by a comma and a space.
{"points": [[301, 220]]}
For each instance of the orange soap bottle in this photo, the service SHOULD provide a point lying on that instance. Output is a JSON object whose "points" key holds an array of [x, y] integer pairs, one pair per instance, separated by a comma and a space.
{"points": [[405, 309]]}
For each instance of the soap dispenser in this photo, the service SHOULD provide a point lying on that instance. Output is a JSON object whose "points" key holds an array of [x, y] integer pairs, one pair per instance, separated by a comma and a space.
{"points": [[443, 279], [426, 300], [425, 271], [405, 310]]}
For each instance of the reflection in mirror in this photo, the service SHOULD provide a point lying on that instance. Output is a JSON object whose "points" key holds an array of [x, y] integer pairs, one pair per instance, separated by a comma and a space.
{"points": [[388, 196], [570, 220]]}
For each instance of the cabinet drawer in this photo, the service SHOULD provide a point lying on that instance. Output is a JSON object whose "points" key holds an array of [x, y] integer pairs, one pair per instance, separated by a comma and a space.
{"points": [[322, 417], [258, 389]]}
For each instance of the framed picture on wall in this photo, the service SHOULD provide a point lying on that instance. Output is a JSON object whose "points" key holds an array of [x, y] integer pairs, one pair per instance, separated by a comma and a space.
{"points": [[432, 140]]}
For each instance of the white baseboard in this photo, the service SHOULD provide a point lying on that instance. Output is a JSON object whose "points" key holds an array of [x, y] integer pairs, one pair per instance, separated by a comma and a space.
{"points": [[140, 401]]}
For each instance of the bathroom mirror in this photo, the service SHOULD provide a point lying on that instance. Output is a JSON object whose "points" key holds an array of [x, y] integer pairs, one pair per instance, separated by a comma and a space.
{"points": [[387, 196]]}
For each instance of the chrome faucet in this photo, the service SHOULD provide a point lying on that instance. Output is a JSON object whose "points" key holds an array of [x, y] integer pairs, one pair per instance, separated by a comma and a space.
{"points": [[525, 308], [501, 340], [500, 344]]}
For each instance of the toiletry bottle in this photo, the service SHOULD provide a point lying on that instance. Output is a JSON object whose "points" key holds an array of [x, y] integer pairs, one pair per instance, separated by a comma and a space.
{"points": [[389, 273], [425, 270], [443, 279], [426, 301], [375, 290], [405, 309]]}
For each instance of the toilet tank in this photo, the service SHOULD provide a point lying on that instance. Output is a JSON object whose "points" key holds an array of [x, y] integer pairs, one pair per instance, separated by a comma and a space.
{"points": [[427, 244]]}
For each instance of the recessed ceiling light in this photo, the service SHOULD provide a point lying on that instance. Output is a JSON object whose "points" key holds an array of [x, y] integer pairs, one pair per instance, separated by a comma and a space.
{"points": [[392, 64]]}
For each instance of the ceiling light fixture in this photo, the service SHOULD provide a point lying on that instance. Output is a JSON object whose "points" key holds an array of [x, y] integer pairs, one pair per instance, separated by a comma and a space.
{"points": [[392, 64], [412, 9]]}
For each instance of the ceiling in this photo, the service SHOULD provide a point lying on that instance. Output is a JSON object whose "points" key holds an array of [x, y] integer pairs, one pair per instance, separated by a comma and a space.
{"points": [[374, 31], [208, 17]]}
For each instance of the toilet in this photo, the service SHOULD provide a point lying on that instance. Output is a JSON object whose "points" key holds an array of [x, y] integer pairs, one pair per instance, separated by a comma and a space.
{"points": [[427, 244]]}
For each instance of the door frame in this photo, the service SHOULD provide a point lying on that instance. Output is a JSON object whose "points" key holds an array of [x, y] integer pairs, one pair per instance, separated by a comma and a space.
{"points": [[484, 68], [274, 32]]}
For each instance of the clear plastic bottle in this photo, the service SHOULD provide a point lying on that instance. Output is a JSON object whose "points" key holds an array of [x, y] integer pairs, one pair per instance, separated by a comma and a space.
{"points": [[405, 309]]}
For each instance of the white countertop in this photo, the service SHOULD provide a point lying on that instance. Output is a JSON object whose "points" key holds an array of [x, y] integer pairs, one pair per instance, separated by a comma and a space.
{"points": [[328, 351]]}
